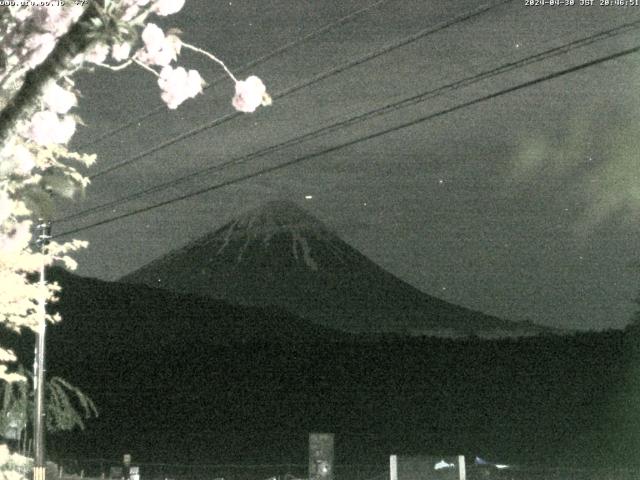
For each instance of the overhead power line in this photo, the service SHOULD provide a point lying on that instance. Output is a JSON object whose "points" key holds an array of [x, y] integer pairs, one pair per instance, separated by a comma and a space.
{"points": [[413, 100], [349, 143], [287, 46], [322, 76]]}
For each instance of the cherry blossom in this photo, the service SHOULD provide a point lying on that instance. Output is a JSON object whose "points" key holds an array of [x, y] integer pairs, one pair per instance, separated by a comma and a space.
{"points": [[97, 54], [250, 94], [59, 18], [152, 36], [135, 3], [20, 162], [57, 99], [158, 49], [37, 141], [47, 127], [167, 7], [17, 239], [39, 46], [177, 85], [19, 12], [130, 13], [121, 51], [23, 160]]}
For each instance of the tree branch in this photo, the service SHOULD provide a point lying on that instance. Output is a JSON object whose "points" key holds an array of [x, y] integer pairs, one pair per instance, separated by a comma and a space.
{"points": [[26, 101]]}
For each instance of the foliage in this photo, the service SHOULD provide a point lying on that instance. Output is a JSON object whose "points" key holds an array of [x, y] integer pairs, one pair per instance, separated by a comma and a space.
{"points": [[12, 465], [42, 47], [67, 407]]}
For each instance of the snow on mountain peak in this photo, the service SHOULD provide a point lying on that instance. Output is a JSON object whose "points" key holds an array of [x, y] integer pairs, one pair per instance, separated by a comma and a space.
{"points": [[274, 218]]}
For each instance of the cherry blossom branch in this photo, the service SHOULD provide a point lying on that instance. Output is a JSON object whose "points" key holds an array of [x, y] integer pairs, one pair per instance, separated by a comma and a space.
{"points": [[212, 57], [145, 66], [117, 68], [59, 63]]}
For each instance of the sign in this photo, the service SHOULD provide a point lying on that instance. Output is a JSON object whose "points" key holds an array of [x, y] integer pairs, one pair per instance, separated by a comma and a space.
{"points": [[321, 456]]}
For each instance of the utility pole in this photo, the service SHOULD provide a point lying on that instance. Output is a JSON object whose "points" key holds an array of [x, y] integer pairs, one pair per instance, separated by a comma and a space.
{"points": [[39, 465]]}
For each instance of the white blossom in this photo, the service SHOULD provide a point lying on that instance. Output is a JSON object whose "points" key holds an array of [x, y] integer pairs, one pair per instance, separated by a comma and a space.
{"points": [[22, 160], [250, 94], [132, 8], [57, 99], [121, 51], [6, 207], [19, 12], [177, 85], [168, 7], [39, 141], [18, 161], [158, 49], [17, 239], [39, 47], [152, 36], [130, 13], [59, 18], [134, 3], [47, 127], [97, 54]]}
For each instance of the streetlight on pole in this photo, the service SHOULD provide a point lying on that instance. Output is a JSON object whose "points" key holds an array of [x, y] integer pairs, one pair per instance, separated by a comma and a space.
{"points": [[44, 234]]}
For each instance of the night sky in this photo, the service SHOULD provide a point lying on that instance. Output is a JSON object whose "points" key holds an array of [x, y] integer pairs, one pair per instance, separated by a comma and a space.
{"points": [[524, 205]]}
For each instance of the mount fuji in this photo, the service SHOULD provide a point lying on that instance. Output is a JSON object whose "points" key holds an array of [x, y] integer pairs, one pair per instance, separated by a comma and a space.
{"points": [[280, 255]]}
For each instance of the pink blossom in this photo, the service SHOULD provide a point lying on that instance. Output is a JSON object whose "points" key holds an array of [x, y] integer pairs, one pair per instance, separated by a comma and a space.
{"points": [[130, 12], [97, 54], [6, 207], [158, 49], [250, 94], [23, 160], [152, 36], [168, 7], [19, 161], [16, 239], [121, 51], [19, 12], [39, 46], [132, 8], [47, 127], [177, 85], [59, 18], [57, 99]]}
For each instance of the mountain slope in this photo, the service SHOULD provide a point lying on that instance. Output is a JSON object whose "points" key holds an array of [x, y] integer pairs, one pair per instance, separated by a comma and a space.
{"points": [[281, 255], [139, 315]]}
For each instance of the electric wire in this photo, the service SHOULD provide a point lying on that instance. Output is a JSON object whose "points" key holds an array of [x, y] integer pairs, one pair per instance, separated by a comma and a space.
{"points": [[349, 143], [410, 101], [287, 46], [322, 76]]}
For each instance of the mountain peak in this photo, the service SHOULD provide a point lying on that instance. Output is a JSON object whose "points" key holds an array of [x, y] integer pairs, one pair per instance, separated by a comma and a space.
{"points": [[277, 215], [279, 254], [279, 230], [274, 220], [280, 206]]}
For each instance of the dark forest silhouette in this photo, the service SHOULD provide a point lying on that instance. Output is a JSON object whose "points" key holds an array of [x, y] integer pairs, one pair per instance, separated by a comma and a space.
{"points": [[182, 378]]}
